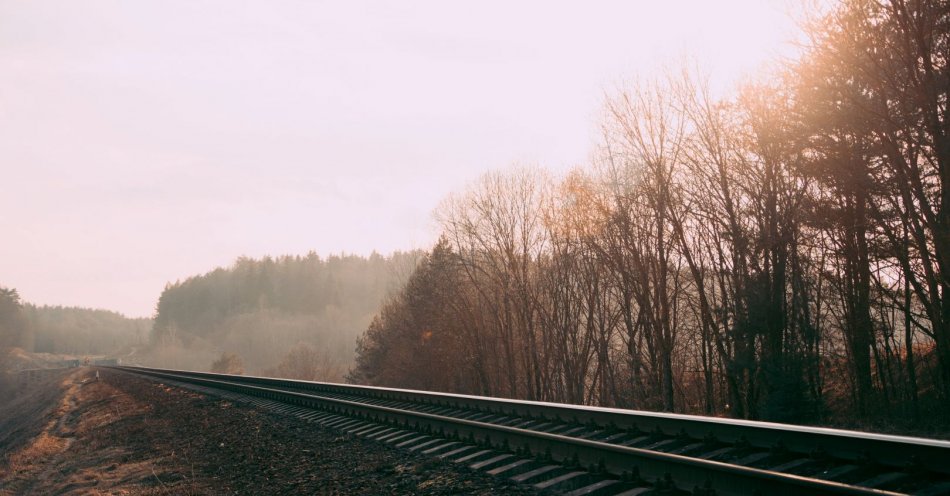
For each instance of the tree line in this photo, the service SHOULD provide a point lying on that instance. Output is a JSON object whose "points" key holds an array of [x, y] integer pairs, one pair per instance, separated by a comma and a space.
{"points": [[34, 336], [66, 330], [289, 316], [264, 315], [781, 253]]}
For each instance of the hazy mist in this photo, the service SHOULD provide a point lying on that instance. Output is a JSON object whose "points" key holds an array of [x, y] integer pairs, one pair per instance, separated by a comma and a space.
{"points": [[144, 142]]}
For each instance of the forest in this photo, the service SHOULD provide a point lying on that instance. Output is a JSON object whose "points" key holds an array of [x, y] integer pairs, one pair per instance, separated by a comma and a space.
{"points": [[294, 316], [34, 336], [780, 252], [289, 316], [67, 330]]}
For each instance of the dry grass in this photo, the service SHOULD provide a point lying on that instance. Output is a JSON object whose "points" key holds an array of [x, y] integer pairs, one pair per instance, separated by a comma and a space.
{"points": [[80, 444], [35, 454], [28, 413], [133, 436]]}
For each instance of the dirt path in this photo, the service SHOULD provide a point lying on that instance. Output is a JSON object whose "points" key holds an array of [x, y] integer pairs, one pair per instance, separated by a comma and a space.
{"points": [[127, 435]]}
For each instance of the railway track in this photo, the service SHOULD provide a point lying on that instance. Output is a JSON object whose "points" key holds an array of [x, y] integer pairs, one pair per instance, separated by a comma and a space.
{"points": [[587, 450]]}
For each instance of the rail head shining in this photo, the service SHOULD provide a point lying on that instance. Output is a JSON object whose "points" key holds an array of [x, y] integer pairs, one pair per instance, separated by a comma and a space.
{"points": [[891, 450], [727, 479]]}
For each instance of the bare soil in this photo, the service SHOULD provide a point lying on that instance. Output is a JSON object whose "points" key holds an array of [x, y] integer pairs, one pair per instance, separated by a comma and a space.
{"points": [[127, 435]]}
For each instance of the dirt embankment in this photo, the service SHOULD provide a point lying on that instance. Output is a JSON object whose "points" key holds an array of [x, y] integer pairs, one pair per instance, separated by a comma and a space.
{"points": [[96, 439], [25, 419], [125, 435]]}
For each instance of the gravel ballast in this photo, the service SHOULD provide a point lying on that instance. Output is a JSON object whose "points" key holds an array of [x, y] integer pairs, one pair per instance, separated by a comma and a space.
{"points": [[157, 439]]}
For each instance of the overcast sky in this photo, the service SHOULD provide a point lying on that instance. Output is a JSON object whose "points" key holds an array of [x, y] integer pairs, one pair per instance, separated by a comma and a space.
{"points": [[142, 142]]}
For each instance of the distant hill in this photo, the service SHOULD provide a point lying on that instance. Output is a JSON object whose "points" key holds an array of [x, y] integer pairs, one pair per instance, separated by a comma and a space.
{"points": [[260, 308], [82, 331]]}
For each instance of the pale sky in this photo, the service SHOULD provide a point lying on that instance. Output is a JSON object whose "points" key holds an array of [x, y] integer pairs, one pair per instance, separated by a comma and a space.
{"points": [[142, 142]]}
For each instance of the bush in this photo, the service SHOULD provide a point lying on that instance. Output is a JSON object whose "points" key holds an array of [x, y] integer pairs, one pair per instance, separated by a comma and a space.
{"points": [[228, 363]]}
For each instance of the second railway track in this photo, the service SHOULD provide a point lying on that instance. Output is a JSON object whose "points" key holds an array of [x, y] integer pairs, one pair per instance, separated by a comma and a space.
{"points": [[587, 450]]}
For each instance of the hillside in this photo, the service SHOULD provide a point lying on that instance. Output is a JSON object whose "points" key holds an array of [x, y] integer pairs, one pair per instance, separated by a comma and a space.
{"points": [[260, 309]]}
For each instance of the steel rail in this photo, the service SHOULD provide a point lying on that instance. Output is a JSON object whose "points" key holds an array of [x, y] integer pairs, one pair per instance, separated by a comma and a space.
{"points": [[725, 478], [900, 452]]}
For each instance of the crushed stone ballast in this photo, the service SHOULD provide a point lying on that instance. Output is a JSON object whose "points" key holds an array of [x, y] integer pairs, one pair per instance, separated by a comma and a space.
{"points": [[581, 450]]}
